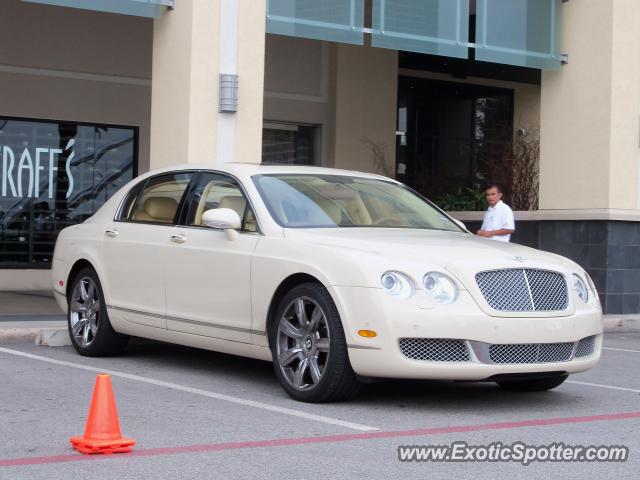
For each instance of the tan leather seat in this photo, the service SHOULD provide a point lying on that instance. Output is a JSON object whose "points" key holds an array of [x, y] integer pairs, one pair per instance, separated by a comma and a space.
{"points": [[236, 203], [331, 209], [157, 209], [357, 211], [202, 206], [239, 204]]}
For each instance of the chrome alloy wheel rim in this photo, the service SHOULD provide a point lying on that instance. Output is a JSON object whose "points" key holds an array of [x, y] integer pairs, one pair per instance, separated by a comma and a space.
{"points": [[302, 347], [84, 311]]}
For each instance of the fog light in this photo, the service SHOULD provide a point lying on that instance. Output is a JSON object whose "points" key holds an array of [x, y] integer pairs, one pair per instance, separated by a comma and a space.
{"points": [[367, 333]]}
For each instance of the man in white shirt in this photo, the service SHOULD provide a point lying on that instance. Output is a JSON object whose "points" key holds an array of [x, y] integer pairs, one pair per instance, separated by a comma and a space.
{"points": [[498, 221]]}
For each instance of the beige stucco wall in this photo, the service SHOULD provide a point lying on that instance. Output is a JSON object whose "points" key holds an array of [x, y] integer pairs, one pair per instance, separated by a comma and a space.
{"points": [[251, 60], [590, 110], [185, 88], [185, 123], [366, 92], [350, 92], [67, 64], [624, 174], [297, 86]]}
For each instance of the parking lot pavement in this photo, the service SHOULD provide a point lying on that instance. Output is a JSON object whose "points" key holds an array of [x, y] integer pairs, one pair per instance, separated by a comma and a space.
{"points": [[199, 414]]}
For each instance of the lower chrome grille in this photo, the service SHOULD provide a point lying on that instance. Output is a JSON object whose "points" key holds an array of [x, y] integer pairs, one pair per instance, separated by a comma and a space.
{"points": [[531, 352], [434, 349], [586, 347], [452, 350]]}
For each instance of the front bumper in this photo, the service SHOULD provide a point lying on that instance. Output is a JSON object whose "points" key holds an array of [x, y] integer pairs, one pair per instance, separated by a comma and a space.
{"points": [[417, 318]]}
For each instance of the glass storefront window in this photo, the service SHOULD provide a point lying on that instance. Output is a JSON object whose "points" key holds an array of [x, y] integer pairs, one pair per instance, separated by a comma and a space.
{"points": [[289, 144], [52, 175]]}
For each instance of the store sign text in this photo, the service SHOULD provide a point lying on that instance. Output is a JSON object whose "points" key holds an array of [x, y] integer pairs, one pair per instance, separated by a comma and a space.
{"points": [[32, 167]]}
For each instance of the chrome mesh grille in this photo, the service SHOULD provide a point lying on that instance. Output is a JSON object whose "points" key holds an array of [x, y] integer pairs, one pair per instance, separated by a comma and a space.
{"points": [[524, 290], [434, 349], [530, 352], [586, 346], [548, 289]]}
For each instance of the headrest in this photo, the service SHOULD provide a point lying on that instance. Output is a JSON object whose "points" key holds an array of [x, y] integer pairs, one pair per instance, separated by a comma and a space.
{"points": [[331, 209], [160, 208], [235, 202]]}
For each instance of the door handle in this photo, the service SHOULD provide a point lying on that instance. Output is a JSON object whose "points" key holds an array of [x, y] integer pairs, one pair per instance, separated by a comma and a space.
{"points": [[112, 233], [179, 238]]}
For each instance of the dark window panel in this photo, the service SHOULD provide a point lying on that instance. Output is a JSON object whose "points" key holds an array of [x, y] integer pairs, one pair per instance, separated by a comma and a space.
{"points": [[52, 175]]}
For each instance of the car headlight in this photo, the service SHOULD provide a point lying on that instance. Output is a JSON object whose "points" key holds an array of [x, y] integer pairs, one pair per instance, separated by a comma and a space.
{"points": [[440, 287], [397, 284], [581, 288]]}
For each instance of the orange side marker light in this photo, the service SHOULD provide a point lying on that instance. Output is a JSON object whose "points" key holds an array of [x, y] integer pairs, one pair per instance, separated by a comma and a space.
{"points": [[367, 333]]}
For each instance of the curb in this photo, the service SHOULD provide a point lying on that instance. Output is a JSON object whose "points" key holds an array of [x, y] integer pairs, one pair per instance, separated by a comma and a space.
{"points": [[621, 323], [51, 336]]}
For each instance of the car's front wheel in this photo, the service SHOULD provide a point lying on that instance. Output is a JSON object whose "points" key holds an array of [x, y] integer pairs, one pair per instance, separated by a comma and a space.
{"points": [[533, 384], [89, 328], [309, 347]]}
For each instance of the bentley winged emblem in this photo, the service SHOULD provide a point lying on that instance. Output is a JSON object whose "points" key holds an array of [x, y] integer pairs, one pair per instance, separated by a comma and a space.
{"points": [[518, 259]]}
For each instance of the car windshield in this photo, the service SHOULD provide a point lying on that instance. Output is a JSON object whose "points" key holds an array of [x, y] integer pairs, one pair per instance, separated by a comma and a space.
{"points": [[325, 201]]}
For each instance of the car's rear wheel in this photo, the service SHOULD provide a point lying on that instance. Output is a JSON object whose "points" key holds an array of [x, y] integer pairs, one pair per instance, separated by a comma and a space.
{"points": [[309, 347], [89, 328], [533, 384]]}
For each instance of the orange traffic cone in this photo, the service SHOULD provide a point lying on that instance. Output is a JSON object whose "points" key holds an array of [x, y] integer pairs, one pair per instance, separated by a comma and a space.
{"points": [[102, 433]]}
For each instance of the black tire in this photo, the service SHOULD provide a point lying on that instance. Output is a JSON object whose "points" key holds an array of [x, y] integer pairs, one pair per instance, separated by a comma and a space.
{"points": [[534, 384], [103, 340], [337, 381]]}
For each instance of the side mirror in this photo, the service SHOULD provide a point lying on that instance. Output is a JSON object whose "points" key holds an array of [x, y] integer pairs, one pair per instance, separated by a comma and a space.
{"points": [[223, 218], [460, 224]]}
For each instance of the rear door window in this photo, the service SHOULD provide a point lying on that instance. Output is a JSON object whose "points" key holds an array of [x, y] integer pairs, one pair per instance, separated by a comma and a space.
{"points": [[160, 199]]}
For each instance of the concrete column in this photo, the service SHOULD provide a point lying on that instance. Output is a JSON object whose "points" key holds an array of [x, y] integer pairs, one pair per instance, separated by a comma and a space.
{"points": [[366, 99], [590, 111], [192, 45]]}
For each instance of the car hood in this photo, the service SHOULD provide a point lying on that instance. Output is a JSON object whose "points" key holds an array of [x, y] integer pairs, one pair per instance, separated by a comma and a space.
{"points": [[461, 253]]}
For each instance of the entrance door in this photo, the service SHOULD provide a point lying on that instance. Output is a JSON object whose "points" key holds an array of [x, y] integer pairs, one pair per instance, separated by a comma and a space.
{"points": [[451, 131]]}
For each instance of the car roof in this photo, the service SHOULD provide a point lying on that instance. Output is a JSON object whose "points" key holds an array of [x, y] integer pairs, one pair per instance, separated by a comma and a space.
{"points": [[248, 169]]}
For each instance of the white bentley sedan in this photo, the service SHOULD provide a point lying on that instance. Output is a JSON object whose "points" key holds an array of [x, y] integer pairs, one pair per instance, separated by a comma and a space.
{"points": [[337, 277]]}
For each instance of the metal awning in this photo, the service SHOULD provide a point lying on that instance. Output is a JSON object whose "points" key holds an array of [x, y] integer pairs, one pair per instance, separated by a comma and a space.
{"points": [[139, 8]]}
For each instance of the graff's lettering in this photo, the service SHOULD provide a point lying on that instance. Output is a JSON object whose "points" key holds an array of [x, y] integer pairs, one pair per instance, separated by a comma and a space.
{"points": [[53, 167], [69, 146], [27, 172], [25, 164], [8, 160]]}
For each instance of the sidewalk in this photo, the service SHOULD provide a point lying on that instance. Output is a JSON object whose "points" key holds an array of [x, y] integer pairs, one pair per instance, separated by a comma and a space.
{"points": [[28, 304]]}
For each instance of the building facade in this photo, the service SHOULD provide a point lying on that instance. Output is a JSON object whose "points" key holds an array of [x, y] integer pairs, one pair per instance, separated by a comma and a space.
{"points": [[543, 95]]}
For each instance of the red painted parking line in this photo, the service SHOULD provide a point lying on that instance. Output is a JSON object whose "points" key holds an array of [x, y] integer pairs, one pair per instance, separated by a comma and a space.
{"points": [[215, 447]]}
